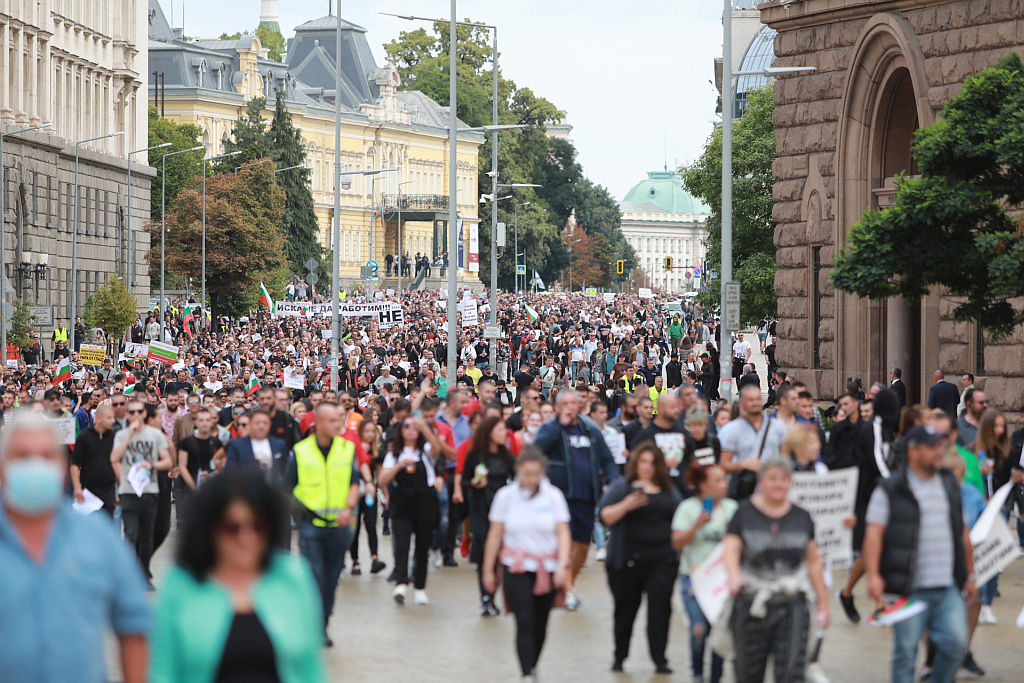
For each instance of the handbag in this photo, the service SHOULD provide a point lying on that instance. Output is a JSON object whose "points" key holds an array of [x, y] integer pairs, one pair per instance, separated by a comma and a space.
{"points": [[743, 483]]}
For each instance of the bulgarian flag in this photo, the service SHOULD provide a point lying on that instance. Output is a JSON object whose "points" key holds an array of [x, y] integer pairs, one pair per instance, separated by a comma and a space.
{"points": [[532, 313], [265, 299], [63, 372], [186, 319], [252, 386], [163, 353], [129, 389]]}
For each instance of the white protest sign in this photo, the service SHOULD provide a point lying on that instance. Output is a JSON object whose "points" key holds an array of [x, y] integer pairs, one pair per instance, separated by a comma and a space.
{"points": [[325, 334], [645, 293], [294, 378], [469, 313], [256, 336], [136, 350], [994, 546], [829, 497], [710, 581], [65, 427]]}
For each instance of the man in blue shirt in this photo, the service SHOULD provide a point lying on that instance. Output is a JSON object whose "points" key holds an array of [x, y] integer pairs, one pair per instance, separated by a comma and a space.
{"points": [[66, 577]]}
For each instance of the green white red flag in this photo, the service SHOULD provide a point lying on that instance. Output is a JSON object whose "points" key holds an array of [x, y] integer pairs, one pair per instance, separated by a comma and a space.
{"points": [[252, 386], [265, 299], [63, 372]]}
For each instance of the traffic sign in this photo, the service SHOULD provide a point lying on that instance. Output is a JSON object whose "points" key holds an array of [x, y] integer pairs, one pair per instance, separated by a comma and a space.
{"points": [[520, 269], [696, 272], [688, 275], [311, 264], [732, 293], [492, 332], [373, 266], [43, 315], [313, 278]]}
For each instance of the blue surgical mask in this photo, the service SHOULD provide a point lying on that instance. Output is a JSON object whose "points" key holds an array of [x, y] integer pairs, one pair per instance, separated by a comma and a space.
{"points": [[33, 486]]}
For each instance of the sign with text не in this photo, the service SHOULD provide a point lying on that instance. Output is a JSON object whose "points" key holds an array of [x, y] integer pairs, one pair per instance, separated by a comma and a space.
{"points": [[92, 354], [829, 497]]}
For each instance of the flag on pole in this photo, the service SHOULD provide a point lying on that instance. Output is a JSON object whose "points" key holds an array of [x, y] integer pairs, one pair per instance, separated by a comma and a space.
{"points": [[537, 281], [532, 313], [63, 371], [253, 385], [265, 299], [129, 389], [186, 319]]}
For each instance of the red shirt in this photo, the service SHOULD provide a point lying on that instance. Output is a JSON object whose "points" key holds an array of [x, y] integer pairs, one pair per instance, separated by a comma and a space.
{"points": [[362, 457], [511, 442]]}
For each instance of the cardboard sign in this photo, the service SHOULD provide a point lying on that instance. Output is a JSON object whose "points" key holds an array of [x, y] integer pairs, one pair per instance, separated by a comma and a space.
{"points": [[470, 316], [829, 497], [645, 293], [65, 427], [294, 378], [136, 350], [710, 581], [92, 354], [995, 547]]}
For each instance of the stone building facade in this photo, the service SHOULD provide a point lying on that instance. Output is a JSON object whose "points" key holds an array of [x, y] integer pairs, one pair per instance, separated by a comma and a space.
{"points": [[883, 69], [79, 67]]}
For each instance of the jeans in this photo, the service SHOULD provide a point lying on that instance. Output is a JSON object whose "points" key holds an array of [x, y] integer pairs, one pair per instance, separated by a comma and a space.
{"points": [[139, 516], [946, 623], [699, 630], [324, 549], [599, 532]]}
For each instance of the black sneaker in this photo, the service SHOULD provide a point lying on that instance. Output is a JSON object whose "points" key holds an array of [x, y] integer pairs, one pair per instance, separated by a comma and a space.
{"points": [[449, 561], [327, 640], [377, 566], [356, 571], [386, 531], [851, 611], [971, 666]]}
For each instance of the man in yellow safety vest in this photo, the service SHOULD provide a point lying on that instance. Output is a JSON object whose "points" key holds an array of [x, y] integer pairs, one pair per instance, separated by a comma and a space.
{"points": [[323, 477]]}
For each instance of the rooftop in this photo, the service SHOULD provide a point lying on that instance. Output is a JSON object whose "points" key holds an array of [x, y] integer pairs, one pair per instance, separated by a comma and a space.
{"points": [[662, 191]]}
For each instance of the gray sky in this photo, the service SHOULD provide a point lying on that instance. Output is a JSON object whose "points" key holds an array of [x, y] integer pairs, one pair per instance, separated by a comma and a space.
{"points": [[633, 78]]}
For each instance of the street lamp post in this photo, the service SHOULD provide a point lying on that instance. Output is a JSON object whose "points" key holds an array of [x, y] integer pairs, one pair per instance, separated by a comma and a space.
{"points": [[453, 193], [517, 246], [163, 226], [336, 257], [205, 159], [74, 240], [290, 168], [130, 268], [3, 231], [251, 163], [399, 202]]}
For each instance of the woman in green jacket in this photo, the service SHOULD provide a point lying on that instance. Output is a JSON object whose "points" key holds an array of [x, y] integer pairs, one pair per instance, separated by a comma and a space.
{"points": [[233, 608]]}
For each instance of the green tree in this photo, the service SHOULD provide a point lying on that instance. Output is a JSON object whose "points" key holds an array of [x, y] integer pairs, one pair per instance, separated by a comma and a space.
{"points": [[181, 168], [248, 137], [955, 226], [272, 40], [231, 36], [243, 236], [299, 223], [21, 325], [113, 309], [753, 228]]}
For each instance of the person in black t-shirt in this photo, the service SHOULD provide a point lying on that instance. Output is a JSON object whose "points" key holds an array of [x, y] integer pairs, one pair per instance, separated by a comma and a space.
{"points": [[195, 453], [90, 461], [668, 437]]}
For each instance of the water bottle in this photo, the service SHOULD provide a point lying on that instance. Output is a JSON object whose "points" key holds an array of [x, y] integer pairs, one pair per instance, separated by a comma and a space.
{"points": [[370, 499]]}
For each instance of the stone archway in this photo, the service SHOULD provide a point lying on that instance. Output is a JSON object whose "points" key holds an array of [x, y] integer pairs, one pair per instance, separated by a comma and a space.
{"points": [[885, 100]]}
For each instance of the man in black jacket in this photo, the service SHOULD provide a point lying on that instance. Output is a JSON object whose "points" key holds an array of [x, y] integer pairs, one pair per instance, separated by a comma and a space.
{"points": [[943, 394], [898, 387], [917, 546]]}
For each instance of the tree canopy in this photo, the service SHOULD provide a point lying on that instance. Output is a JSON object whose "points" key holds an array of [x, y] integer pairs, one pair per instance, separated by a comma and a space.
{"points": [[181, 168], [113, 308], [753, 228], [958, 225], [244, 243], [269, 38], [524, 156]]}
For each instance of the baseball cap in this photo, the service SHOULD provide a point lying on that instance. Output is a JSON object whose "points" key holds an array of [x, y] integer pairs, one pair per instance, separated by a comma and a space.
{"points": [[923, 435]]}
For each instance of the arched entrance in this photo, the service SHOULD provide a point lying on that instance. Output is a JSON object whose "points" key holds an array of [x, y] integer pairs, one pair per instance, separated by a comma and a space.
{"points": [[885, 101]]}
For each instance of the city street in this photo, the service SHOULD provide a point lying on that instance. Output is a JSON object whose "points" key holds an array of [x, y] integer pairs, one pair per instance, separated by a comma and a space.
{"points": [[374, 639]]}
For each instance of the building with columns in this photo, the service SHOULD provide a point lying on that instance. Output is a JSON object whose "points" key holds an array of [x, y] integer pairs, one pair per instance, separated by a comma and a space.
{"points": [[883, 69], [77, 66], [209, 82], [660, 218]]}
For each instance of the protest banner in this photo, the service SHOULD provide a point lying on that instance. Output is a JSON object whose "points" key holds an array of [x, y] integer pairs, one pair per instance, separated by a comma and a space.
{"points": [[710, 582], [92, 354], [388, 313], [995, 547], [470, 317], [163, 353], [136, 350], [829, 497], [294, 378], [645, 293], [65, 428]]}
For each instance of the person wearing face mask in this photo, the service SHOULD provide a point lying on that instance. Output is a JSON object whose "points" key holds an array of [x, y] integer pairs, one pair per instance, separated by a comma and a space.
{"points": [[39, 539]]}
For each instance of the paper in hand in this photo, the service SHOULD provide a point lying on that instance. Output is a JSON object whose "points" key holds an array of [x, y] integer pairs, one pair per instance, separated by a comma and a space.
{"points": [[89, 505], [138, 477]]}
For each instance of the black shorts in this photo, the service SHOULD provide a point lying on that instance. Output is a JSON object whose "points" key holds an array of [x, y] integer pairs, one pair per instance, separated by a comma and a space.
{"points": [[581, 520]]}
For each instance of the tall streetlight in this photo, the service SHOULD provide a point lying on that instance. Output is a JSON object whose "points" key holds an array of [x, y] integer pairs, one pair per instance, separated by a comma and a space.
{"points": [[74, 240], [517, 245], [404, 182], [3, 231], [725, 352], [290, 168], [163, 226], [335, 259], [250, 163], [131, 256], [206, 159]]}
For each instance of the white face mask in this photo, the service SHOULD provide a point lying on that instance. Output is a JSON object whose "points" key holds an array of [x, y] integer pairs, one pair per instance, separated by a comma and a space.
{"points": [[532, 429]]}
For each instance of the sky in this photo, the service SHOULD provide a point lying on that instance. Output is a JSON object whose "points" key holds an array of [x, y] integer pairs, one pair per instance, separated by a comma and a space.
{"points": [[633, 78]]}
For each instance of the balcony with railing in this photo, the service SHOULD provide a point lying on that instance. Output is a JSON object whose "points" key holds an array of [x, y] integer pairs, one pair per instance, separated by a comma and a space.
{"points": [[416, 203]]}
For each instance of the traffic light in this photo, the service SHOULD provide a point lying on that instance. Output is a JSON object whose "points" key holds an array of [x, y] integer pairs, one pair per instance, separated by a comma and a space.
{"points": [[668, 263], [620, 266]]}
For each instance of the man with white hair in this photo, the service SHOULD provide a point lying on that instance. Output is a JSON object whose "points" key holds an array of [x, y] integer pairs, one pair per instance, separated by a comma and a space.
{"points": [[67, 578]]}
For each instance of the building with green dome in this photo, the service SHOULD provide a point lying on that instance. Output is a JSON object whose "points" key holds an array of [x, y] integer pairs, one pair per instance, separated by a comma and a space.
{"points": [[660, 218]]}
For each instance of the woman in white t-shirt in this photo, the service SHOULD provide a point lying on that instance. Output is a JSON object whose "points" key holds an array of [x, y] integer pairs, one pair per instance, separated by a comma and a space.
{"points": [[530, 531]]}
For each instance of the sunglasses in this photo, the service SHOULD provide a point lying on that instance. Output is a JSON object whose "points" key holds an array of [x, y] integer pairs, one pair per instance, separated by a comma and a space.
{"points": [[237, 412], [119, 404]]}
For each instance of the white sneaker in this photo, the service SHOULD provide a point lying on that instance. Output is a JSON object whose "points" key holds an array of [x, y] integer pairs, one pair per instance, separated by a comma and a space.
{"points": [[986, 616], [437, 558], [419, 597], [814, 674], [572, 603], [399, 594], [601, 554]]}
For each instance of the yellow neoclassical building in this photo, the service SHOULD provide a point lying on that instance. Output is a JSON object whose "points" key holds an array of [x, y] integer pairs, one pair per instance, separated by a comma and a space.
{"points": [[209, 82]]}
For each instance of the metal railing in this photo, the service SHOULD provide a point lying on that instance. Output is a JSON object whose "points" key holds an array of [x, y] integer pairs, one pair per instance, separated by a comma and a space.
{"points": [[416, 202]]}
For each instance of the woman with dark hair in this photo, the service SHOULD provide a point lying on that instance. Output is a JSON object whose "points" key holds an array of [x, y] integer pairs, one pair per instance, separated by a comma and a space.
{"points": [[410, 466], [638, 511], [698, 526], [488, 467], [529, 537], [233, 608], [367, 514]]}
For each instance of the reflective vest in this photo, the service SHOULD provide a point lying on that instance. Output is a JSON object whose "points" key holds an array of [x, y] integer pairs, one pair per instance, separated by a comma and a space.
{"points": [[654, 394], [60, 335], [323, 485]]}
